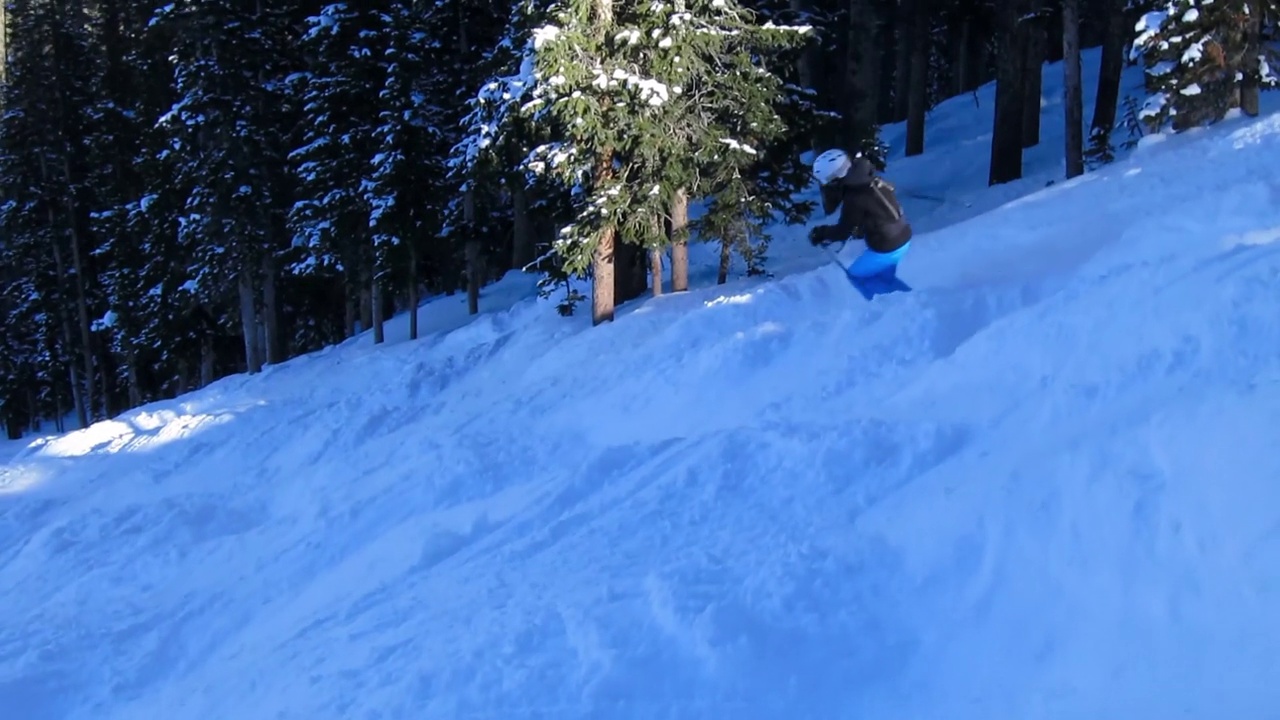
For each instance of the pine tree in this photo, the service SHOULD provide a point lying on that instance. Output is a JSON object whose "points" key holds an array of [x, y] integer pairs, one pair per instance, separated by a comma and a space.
{"points": [[226, 129], [638, 103], [404, 183], [1196, 54], [45, 217], [338, 94]]}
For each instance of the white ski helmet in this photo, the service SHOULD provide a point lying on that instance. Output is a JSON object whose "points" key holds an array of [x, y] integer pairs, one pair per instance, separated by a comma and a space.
{"points": [[831, 165]]}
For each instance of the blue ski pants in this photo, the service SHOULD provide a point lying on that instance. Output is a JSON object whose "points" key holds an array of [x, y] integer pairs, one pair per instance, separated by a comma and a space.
{"points": [[871, 263]]}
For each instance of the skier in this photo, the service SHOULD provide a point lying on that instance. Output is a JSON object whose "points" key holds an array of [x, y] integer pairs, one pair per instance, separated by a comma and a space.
{"points": [[868, 202]]}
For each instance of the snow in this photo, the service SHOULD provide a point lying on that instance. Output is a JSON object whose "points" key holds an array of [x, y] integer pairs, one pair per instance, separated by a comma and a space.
{"points": [[1041, 485]]}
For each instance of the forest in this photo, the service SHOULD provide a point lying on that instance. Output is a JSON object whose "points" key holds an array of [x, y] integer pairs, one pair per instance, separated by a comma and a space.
{"points": [[193, 189]]}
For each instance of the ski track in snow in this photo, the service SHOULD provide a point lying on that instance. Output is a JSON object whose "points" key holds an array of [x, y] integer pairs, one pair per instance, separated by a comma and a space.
{"points": [[1040, 486]]}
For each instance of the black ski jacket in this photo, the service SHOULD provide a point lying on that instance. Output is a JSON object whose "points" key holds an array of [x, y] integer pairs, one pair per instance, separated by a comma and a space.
{"points": [[867, 202]]}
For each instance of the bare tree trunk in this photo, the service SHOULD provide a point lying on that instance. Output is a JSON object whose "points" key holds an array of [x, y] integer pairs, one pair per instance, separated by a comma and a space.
{"points": [[1006, 138], [82, 301], [602, 271], [680, 242], [522, 245], [366, 297], [78, 388], [271, 311], [131, 368], [472, 252], [655, 271], [905, 20], [58, 410], [351, 291], [804, 64], [1073, 100], [249, 320], [102, 361], [1107, 100], [1053, 27], [962, 55], [78, 391], [726, 258], [980, 71], [375, 300], [628, 271], [471, 249], [208, 357], [1034, 28], [919, 91], [414, 300], [862, 68], [1249, 85], [602, 263]]}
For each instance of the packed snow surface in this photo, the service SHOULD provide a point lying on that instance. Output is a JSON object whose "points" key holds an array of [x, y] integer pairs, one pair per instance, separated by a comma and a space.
{"points": [[1043, 485]]}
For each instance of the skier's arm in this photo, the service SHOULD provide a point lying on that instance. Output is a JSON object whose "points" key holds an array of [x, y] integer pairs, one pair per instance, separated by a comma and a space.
{"points": [[843, 228]]}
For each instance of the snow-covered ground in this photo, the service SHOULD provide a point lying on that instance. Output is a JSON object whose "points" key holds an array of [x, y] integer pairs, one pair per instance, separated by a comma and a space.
{"points": [[1043, 485]]}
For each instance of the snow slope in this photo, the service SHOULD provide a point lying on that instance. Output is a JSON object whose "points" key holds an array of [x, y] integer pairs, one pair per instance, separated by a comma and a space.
{"points": [[1041, 486]]}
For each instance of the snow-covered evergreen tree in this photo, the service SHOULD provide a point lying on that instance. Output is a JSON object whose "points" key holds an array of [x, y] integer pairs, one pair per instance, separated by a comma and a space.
{"points": [[226, 130], [404, 178], [640, 101], [338, 94], [44, 135], [1196, 54]]}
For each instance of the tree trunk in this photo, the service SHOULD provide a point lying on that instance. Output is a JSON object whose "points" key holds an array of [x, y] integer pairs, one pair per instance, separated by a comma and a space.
{"points": [[1072, 100], [905, 20], [1054, 49], [105, 374], [885, 80], [1107, 100], [58, 411], [862, 71], [726, 258], [414, 300], [1036, 42], [1006, 138], [1249, 84], [804, 63], [78, 388], [655, 271], [602, 272], [375, 301], [271, 311], [919, 92], [602, 261], [680, 242], [351, 291], [628, 272], [366, 298], [208, 358], [78, 391], [961, 61], [471, 251], [131, 367], [522, 244], [980, 70], [82, 302], [249, 320]]}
